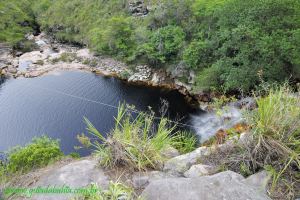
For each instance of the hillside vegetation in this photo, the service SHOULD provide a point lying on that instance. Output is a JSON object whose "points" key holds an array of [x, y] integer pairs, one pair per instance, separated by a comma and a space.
{"points": [[230, 44]]}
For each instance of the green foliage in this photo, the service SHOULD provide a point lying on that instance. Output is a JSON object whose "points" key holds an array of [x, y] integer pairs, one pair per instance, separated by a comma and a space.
{"points": [[164, 44], [227, 42], [132, 142], [115, 191], [244, 32], [185, 142], [115, 39], [16, 20], [198, 54], [40, 152]]}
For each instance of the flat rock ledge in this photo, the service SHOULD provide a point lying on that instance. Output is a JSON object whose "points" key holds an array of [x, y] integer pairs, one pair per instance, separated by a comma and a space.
{"points": [[222, 186]]}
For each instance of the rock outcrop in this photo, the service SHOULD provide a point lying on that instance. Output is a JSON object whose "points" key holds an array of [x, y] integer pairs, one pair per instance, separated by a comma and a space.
{"points": [[222, 186], [138, 8]]}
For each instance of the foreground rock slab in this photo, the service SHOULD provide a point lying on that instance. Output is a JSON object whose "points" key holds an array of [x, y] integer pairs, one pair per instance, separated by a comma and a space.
{"points": [[222, 186], [77, 174]]}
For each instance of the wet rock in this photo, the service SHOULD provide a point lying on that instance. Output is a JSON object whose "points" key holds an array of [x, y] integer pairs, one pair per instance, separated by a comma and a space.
{"points": [[224, 185], [200, 170], [180, 164]]}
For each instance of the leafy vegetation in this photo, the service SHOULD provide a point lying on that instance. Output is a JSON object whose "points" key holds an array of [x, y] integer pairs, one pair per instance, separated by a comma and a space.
{"points": [[16, 20], [226, 42], [39, 153]]}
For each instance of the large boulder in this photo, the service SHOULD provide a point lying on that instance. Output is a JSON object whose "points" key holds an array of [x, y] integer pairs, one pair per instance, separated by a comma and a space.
{"points": [[222, 186]]}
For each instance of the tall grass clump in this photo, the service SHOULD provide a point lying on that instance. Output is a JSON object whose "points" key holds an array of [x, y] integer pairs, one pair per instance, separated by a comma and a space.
{"points": [[184, 142], [134, 142], [276, 131]]}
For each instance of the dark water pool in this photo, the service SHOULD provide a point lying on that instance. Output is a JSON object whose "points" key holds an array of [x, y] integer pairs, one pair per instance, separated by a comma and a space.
{"points": [[50, 105]]}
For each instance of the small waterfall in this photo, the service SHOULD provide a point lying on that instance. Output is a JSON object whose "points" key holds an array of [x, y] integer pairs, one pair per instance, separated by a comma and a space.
{"points": [[207, 124]]}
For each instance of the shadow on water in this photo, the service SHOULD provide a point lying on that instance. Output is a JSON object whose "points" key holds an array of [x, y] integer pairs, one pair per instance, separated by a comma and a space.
{"points": [[32, 107]]}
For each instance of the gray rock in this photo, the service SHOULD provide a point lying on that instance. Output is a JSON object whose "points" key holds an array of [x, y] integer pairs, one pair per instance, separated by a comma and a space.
{"points": [[182, 163], [192, 76], [74, 175], [259, 180], [247, 103], [200, 170], [142, 179], [245, 138], [170, 152], [12, 69], [222, 186]]}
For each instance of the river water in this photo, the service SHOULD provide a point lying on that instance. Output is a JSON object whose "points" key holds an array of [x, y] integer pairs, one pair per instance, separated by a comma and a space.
{"points": [[55, 104]]}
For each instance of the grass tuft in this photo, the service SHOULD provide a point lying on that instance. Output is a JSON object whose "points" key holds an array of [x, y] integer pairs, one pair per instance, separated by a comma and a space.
{"points": [[134, 142]]}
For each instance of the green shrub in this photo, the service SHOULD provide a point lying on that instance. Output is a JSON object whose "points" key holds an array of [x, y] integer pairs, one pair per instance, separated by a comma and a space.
{"points": [[115, 39], [198, 55], [25, 46], [40, 152], [164, 44], [132, 142]]}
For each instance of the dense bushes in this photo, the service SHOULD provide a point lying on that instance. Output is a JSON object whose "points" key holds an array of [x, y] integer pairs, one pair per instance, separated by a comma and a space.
{"points": [[251, 37], [40, 152], [224, 41], [164, 44], [16, 20]]}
